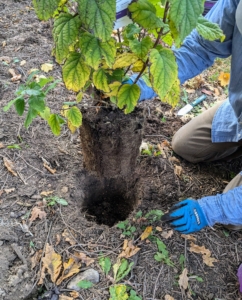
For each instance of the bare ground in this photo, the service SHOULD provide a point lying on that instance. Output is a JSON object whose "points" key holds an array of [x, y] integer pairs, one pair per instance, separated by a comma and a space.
{"points": [[23, 37]]}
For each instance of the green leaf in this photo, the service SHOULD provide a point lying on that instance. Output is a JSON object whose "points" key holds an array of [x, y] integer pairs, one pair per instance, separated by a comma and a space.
{"points": [[156, 214], [128, 97], [60, 201], [163, 71], [65, 33], [98, 16], [141, 48], [94, 50], [74, 116], [125, 60], [122, 224], [208, 30], [105, 264], [131, 31], [55, 122], [144, 13], [32, 113], [85, 284], [133, 296], [43, 81], [75, 72], [20, 106], [100, 80], [45, 114], [15, 146], [45, 8], [123, 270], [184, 14], [118, 292], [37, 103], [173, 96]]}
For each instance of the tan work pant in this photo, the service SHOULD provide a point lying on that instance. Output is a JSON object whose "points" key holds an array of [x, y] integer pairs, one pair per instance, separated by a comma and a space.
{"points": [[193, 143], [193, 140]]}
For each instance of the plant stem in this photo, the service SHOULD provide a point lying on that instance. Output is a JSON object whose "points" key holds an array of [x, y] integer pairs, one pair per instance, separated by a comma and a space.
{"points": [[156, 42]]}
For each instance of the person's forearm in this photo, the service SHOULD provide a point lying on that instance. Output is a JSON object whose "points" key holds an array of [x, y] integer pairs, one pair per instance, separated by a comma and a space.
{"points": [[223, 208]]}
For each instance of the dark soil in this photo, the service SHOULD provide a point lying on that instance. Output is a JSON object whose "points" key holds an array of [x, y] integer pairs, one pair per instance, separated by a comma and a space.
{"points": [[93, 201]]}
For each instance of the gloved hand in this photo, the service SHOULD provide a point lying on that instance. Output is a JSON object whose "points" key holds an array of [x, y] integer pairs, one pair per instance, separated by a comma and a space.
{"points": [[146, 92], [186, 216]]}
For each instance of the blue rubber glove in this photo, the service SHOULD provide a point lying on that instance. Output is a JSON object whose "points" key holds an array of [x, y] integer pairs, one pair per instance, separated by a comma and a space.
{"points": [[146, 92], [186, 216]]}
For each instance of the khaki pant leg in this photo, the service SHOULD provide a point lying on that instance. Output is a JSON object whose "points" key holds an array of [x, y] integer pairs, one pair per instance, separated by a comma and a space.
{"points": [[193, 140]]}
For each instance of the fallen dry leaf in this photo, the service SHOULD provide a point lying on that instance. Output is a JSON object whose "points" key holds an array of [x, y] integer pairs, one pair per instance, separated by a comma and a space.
{"points": [[207, 92], [168, 297], [128, 249], [75, 294], [46, 193], [190, 91], [167, 234], [9, 165], [4, 43], [64, 297], [52, 263], [23, 62], [52, 171], [46, 67], [224, 78], [8, 191], [1, 146], [84, 258], [68, 237], [37, 213], [188, 237], [58, 239], [158, 228], [35, 259], [206, 254], [69, 268], [146, 233], [216, 92], [15, 77], [174, 159], [183, 279], [178, 170], [5, 59]]}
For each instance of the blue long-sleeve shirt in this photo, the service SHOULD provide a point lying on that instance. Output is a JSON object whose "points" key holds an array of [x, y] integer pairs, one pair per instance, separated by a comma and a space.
{"points": [[195, 55]]}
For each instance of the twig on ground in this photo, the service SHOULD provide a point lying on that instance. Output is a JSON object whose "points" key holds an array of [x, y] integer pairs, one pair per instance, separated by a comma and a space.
{"points": [[18, 252], [21, 177], [155, 287]]}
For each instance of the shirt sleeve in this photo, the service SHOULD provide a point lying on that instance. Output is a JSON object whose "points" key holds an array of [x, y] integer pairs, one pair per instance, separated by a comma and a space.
{"points": [[197, 54], [223, 208]]}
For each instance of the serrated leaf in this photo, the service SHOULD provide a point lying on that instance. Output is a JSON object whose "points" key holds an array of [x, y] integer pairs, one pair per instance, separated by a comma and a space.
{"points": [[130, 31], [163, 71], [85, 284], [45, 114], [74, 116], [114, 87], [141, 48], [75, 72], [128, 96], [20, 106], [105, 264], [45, 8], [65, 33], [93, 49], [32, 113], [123, 269], [144, 13], [55, 122], [100, 80], [98, 16], [125, 60], [184, 14], [118, 292], [173, 96], [208, 30], [138, 66], [37, 103]]}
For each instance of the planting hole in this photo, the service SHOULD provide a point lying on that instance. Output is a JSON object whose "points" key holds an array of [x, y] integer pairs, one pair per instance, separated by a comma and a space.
{"points": [[108, 201]]}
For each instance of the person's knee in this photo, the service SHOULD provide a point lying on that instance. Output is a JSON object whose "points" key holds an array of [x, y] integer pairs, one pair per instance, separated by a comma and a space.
{"points": [[180, 147]]}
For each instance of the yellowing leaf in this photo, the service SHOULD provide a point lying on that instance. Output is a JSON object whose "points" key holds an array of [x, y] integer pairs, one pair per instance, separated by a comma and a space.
{"points": [[183, 279], [146, 233], [100, 80], [124, 60], [128, 249], [128, 96], [52, 263], [114, 87], [37, 213], [46, 67], [74, 116], [70, 268], [9, 165], [46, 193], [138, 66], [224, 78], [118, 292]]}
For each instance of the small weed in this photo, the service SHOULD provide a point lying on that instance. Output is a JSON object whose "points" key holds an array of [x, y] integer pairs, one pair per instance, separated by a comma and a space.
{"points": [[53, 200], [15, 146], [127, 229], [163, 119]]}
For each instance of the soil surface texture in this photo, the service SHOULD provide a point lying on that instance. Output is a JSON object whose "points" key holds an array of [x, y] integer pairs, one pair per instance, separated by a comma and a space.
{"points": [[88, 224]]}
